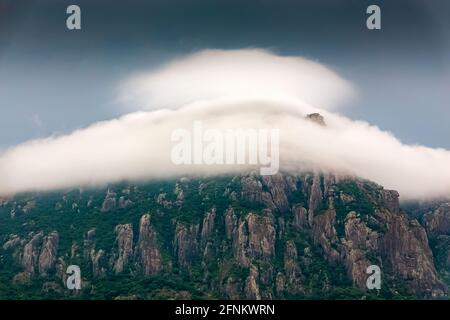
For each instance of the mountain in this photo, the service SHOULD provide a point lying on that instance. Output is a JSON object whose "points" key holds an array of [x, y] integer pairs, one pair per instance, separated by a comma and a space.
{"points": [[305, 236]]}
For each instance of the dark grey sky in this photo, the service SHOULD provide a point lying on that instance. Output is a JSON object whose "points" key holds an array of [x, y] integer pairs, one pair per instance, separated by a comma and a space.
{"points": [[53, 80]]}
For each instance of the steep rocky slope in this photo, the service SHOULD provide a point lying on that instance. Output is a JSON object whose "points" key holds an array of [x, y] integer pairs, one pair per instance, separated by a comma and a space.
{"points": [[251, 237]]}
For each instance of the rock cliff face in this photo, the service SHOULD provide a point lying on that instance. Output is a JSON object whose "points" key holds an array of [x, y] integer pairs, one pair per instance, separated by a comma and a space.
{"points": [[378, 234], [407, 254], [291, 280], [437, 226], [48, 255], [36, 255], [242, 237], [437, 222], [124, 241], [30, 253], [148, 255]]}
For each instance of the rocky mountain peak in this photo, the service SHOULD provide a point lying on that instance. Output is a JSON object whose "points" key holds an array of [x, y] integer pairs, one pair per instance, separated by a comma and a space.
{"points": [[317, 118]]}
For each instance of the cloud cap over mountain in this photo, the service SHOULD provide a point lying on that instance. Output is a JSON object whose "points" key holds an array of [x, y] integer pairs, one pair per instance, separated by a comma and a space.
{"points": [[245, 73], [138, 146]]}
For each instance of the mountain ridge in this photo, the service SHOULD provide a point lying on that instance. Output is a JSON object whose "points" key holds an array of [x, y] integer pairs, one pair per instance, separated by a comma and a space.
{"points": [[235, 237]]}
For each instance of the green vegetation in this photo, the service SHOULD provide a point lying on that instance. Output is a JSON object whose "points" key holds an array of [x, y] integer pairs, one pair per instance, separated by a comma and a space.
{"points": [[73, 213]]}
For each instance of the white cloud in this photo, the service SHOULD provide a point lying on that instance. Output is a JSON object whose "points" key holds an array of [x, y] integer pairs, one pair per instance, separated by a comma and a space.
{"points": [[138, 146], [250, 73]]}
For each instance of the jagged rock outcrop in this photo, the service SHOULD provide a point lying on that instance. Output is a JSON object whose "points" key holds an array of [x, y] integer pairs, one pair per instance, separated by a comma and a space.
{"points": [[261, 236], [401, 245], [278, 190], [358, 242], [208, 225], [252, 237], [49, 250], [91, 254], [437, 222], [110, 201], [161, 200], [31, 253], [251, 286], [316, 118], [251, 189], [185, 244], [437, 225], [12, 243], [37, 255], [230, 223], [406, 253], [124, 241], [179, 192], [324, 234], [270, 191], [315, 199], [148, 255], [96, 261], [300, 217], [389, 199], [292, 273]]}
